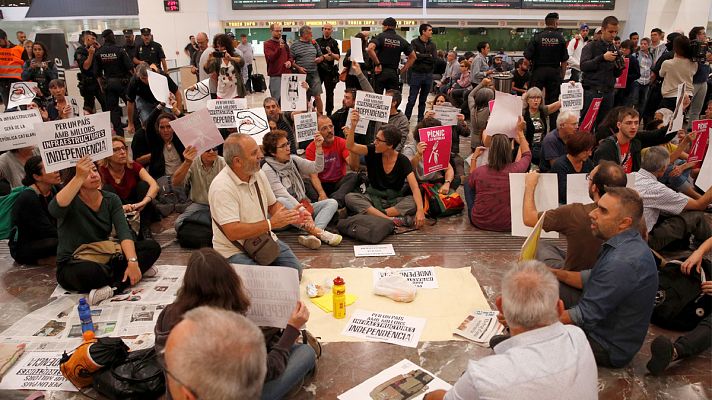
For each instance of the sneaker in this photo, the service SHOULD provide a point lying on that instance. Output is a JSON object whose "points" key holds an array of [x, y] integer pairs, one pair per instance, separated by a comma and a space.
{"points": [[405, 221], [150, 273], [96, 296], [332, 239], [661, 351], [310, 241]]}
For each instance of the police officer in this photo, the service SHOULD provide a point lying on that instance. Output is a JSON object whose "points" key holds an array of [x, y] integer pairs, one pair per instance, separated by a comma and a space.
{"points": [[385, 51], [114, 65], [88, 84], [328, 71], [130, 43], [547, 54], [150, 52]]}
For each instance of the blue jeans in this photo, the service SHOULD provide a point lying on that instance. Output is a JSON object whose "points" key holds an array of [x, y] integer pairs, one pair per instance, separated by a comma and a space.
{"points": [[323, 210], [638, 96], [286, 258], [420, 82], [302, 360], [675, 182]]}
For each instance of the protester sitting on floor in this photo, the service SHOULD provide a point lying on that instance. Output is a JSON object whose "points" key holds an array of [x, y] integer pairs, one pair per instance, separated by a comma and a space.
{"points": [[478, 103], [446, 179], [59, 106], [536, 117], [12, 167], [335, 180], [571, 220], [197, 176], [662, 350], [211, 281], [166, 147], [189, 358], [542, 356], [86, 215], [36, 241], [460, 129], [488, 200], [241, 199], [677, 173], [141, 98], [613, 301], [131, 182], [669, 216], [285, 174], [386, 195], [553, 145], [282, 120], [577, 160]]}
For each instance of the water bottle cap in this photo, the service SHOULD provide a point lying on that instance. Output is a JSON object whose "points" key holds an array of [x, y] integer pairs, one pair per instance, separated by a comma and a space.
{"points": [[338, 281], [83, 301]]}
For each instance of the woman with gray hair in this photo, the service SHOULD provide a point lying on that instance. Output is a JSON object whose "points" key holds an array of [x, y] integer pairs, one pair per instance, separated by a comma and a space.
{"points": [[536, 115]]}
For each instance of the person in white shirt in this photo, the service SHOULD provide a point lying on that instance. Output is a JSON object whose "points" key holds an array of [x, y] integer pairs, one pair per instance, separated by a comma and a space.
{"points": [[574, 48], [542, 359]]}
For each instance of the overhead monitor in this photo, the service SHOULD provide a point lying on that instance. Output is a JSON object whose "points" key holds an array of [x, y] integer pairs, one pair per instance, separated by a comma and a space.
{"points": [[375, 3], [277, 4], [570, 4], [474, 3]]}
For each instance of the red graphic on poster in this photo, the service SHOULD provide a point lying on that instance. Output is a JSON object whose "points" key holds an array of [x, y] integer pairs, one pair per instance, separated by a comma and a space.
{"points": [[623, 79], [438, 140], [699, 146], [590, 119]]}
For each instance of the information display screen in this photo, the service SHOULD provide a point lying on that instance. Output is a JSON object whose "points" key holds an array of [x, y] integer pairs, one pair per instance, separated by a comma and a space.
{"points": [[375, 3], [474, 3], [570, 4], [277, 4]]}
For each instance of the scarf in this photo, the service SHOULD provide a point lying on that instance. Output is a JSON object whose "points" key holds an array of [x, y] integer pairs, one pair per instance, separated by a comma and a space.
{"points": [[289, 176]]}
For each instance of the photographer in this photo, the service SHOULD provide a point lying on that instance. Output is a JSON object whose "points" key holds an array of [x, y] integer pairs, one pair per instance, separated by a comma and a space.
{"points": [[226, 64], [676, 71], [701, 55], [39, 69], [601, 64]]}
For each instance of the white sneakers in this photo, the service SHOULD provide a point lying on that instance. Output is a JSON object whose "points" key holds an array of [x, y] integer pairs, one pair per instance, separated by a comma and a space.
{"points": [[332, 239], [96, 296], [313, 242]]}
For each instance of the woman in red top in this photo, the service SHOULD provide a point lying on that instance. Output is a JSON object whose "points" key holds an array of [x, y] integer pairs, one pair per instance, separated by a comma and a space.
{"points": [[490, 182], [131, 182]]}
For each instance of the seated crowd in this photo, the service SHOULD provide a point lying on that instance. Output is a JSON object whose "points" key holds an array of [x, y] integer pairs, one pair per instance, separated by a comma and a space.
{"points": [[567, 312]]}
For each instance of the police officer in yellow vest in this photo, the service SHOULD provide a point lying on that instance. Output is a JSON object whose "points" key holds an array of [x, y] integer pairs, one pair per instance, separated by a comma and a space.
{"points": [[11, 61]]}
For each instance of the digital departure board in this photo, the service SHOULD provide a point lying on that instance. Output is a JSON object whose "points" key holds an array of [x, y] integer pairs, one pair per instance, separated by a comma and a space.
{"points": [[570, 4], [277, 4], [375, 3], [474, 3]]}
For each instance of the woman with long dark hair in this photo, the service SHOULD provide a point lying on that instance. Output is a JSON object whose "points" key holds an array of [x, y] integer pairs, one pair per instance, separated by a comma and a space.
{"points": [[211, 281], [680, 69], [226, 66], [40, 68]]}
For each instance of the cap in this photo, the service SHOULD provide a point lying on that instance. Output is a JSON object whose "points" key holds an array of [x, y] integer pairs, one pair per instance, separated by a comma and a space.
{"points": [[583, 26], [498, 55], [390, 21], [89, 33], [106, 32], [598, 30], [145, 31], [128, 32], [230, 34], [552, 16]]}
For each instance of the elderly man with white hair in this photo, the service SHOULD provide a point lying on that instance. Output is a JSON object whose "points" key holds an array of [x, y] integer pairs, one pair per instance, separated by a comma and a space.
{"points": [[542, 356], [228, 363], [553, 145]]}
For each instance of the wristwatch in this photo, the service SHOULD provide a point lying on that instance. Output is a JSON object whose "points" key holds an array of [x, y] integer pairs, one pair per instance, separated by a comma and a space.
{"points": [[133, 259]]}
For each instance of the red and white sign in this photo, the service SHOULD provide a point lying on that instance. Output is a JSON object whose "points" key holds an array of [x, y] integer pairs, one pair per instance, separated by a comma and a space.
{"points": [[438, 140], [701, 143], [590, 118], [623, 79]]}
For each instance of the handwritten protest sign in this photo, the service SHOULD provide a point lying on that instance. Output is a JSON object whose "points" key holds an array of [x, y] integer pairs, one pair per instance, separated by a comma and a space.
{"points": [[198, 97], [62, 143], [699, 146], [356, 50], [420, 277], [678, 116], [622, 80], [590, 119], [305, 126], [198, 130], [159, 87], [17, 129], [21, 94], [438, 140], [571, 96], [273, 292], [372, 106], [504, 116], [252, 122], [223, 111], [546, 197], [294, 95], [37, 371], [388, 328], [447, 115], [361, 126]]}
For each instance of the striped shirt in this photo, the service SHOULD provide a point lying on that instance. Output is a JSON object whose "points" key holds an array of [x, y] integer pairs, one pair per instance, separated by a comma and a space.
{"points": [[646, 62], [304, 54], [657, 198]]}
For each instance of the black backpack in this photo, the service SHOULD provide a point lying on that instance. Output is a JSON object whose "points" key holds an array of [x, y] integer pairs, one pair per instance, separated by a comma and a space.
{"points": [[366, 228], [679, 303]]}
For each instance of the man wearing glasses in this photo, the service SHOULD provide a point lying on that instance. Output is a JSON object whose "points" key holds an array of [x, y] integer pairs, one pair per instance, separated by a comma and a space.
{"points": [[572, 220], [150, 52]]}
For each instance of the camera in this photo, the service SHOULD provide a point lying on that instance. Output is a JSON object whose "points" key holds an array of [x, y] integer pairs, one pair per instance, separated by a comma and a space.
{"points": [[218, 54], [699, 50]]}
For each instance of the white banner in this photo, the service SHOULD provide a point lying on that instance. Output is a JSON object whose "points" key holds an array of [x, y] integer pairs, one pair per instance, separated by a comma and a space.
{"points": [[305, 126], [223, 111], [389, 328], [197, 98], [252, 122], [17, 129], [571, 96], [293, 93], [62, 143], [373, 106], [505, 113], [159, 87], [37, 371], [198, 130], [356, 50], [446, 115], [21, 94]]}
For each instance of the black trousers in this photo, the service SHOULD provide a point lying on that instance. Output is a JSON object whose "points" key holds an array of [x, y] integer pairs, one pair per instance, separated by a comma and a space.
{"points": [[548, 79], [697, 340], [115, 90], [91, 92], [139, 192], [29, 252], [330, 80], [672, 228], [83, 276], [387, 79], [249, 78], [339, 190]]}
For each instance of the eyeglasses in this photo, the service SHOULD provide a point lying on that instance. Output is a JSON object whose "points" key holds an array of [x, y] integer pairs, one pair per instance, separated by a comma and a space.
{"points": [[119, 149], [589, 177], [161, 358], [377, 139], [213, 149], [284, 146]]}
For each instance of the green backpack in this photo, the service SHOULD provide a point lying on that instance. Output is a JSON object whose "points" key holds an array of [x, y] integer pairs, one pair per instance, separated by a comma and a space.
{"points": [[7, 202]]}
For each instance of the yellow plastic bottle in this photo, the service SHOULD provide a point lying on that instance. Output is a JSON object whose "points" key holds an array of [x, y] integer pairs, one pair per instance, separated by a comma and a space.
{"points": [[339, 294]]}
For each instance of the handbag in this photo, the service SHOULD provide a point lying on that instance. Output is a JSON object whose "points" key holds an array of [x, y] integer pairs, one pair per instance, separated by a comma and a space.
{"points": [[437, 205], [140, 376], [98, 252], [263, 248], [366, 228]]}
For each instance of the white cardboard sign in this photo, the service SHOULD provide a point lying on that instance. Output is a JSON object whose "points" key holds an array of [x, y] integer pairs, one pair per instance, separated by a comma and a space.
{"points": [[274, 292], [356, 50], [505, 113], [546, 197], [374, 250], [21, 94], [381, 327], [198, 130], [17, 129], [373, 106], [252, 122], [571, 96], [293, 95], [62, 143], [159, 87], [198, 97], [305, 126], [223, 111]]}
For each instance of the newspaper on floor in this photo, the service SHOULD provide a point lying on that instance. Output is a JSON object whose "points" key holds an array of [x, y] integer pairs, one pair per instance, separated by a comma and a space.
{"points": [[159, 289], [480, 326], [37, 371], [405, 380]]}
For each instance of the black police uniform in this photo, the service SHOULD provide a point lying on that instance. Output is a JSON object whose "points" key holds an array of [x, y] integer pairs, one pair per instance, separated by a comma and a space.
{"points": [[130, 50], [114, 65], [546, 51], [328, 71], [88, 84], [389, 47], [152, 53]]}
